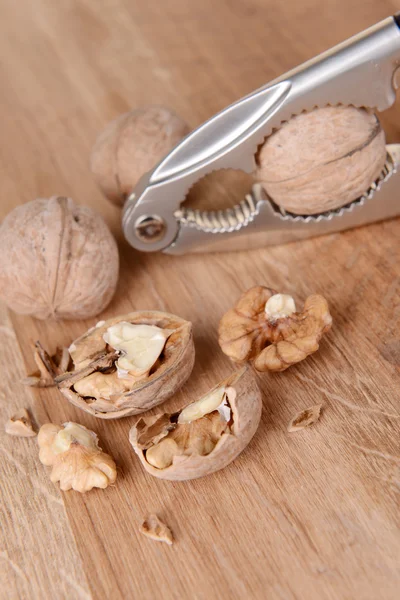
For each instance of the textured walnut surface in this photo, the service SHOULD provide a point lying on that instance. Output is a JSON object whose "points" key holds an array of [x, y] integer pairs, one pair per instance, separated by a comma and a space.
{"points": [[323, 159], [131, 145], [59, 260]]}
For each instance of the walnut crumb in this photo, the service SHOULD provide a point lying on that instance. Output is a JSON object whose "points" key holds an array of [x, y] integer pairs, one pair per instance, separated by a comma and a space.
{"points": [[305, 418], [153, 528]]}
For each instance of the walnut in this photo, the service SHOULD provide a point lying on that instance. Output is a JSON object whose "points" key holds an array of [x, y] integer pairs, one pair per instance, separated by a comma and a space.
{"points": [[59, 260], [153, 528], [131, 146], [264, 327], [203, 437], [74, 453], [305, 418], [20, 424], [323, 159], [128, 364], [49, 367]]}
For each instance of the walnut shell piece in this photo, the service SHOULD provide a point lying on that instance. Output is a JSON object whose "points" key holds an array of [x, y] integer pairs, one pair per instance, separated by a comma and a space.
{"points": [[59, 260], [49, 367], [323, 159], [174, 448], [132, 145], [20, 424], [97, 385], [74, 453], [252, 331], [153, 528], [305, 418]]}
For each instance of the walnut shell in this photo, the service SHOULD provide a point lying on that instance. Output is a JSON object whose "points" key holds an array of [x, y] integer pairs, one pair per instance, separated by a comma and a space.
{"points": [[59, 260], [131, 145], [245, 404], [321, 160], [90, 354]]}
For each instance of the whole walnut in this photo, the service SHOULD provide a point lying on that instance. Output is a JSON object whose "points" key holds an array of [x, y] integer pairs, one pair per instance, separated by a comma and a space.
{"points": [[58, 260], [323, 159], [131, 145]]}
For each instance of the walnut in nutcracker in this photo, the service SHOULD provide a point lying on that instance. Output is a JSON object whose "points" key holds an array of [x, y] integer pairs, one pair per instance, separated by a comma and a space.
{"points": [[322, 160], [204, 436], [264, 327], [129, 364]]}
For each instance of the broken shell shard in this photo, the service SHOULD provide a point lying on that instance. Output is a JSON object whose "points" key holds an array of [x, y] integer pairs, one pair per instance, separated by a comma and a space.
{"points": [[159, 361], [201, 442], [20, 424], [153, 528]]}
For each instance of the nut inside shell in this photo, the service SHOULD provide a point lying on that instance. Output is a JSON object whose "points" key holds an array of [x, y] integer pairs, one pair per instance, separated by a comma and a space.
{"points": [[96, 384], [204, 436]]}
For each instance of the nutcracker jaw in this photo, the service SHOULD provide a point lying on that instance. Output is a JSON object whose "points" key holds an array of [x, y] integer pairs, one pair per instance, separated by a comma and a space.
{"points": [[362, 72]]}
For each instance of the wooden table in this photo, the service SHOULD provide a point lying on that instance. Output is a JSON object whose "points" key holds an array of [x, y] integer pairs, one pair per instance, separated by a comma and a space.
{"points": [[311, 515]]}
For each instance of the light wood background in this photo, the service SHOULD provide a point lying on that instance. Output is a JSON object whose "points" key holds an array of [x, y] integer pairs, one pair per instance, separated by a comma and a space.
{"points": [[312, 515]]}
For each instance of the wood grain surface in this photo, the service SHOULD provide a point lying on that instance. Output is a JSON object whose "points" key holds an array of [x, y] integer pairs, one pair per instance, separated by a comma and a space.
{"points": [[309, 515]]}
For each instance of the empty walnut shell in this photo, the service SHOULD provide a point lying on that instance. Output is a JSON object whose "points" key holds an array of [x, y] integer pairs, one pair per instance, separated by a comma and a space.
{"points": [[58, 260], [131, 145], [321, 160], [92, 355], [209, 443]]}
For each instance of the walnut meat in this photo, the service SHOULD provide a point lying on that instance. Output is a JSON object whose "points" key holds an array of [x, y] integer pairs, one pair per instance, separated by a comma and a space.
{"points": [[131, 146], [74, 453], [204, 436], [264, 327], [127, 365], [59, 260], [321, 160]]}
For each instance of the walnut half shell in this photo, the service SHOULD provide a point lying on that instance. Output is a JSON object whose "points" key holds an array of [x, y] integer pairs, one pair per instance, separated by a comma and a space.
{"points": [[98, 385], [204, 436]]}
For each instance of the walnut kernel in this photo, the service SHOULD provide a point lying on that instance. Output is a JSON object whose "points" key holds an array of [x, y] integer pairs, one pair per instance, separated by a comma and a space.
{"points": [[74, 453], [259, 329]]}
